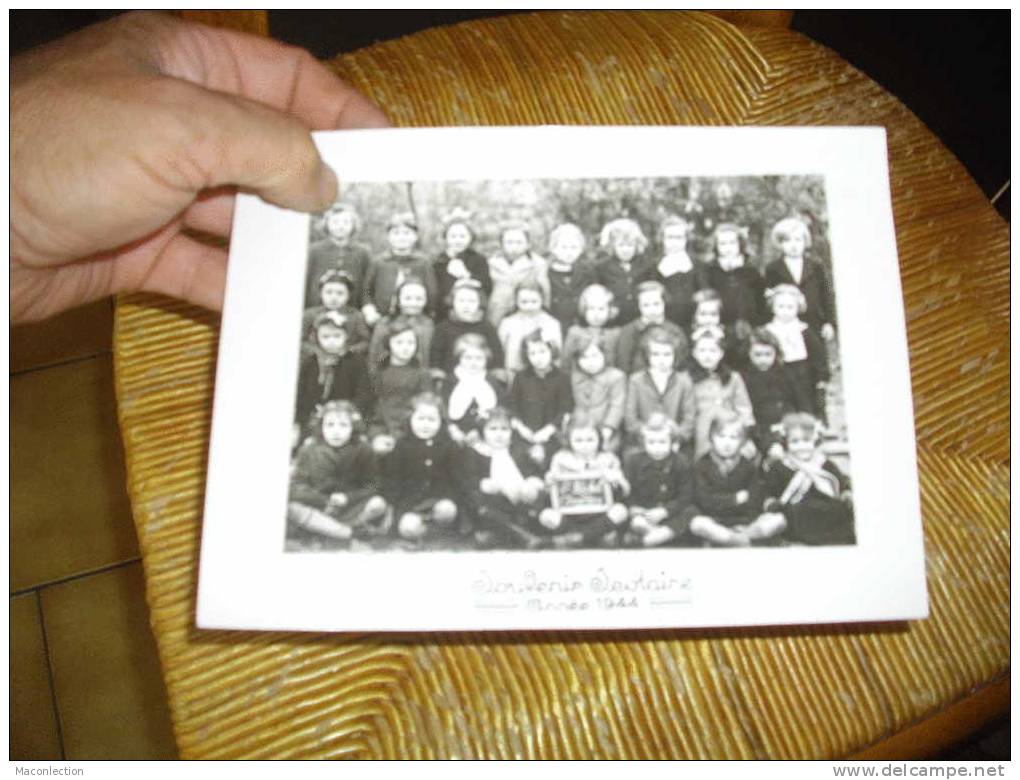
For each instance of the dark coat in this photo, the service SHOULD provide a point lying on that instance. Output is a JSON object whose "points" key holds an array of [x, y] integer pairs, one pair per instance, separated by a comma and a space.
{"points": [[353, 259], [666, 483], [347, 380], [321, 470], [448, 331], [417, 471], [477, 266], [816, 519], [816, 286], [715, 492], [539, 401], [742, 291]]}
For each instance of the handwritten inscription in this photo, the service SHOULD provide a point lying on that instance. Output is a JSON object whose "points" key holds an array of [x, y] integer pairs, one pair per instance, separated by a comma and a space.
{"points": [[601, 591]]}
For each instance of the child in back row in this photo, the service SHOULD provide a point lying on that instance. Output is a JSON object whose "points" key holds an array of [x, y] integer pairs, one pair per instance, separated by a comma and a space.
{"points": [[740, 287], [792, 238], [623, 266], [338, 251], [458, 261], [515, 264], [680, 276], [569, 273], [387, 273], [528, 317]]}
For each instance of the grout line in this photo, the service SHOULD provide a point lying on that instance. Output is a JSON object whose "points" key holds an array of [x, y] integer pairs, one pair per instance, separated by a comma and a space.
{"points": [[49, 676], [1001, 192], [59, 363], [73, 577]]}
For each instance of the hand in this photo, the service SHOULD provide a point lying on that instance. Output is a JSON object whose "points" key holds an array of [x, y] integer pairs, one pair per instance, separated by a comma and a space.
{"points": [[741, 497], [383, 444], [338, 500], [748, 450], [371, 314], [776, 451], [828, 332], [457, 268], [127, 133], [657, 515]]}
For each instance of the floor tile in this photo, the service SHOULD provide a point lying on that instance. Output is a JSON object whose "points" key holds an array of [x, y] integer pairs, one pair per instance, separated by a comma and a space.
{"points": [[106, 674], [84, 331], [69, 506], [33, 723]]}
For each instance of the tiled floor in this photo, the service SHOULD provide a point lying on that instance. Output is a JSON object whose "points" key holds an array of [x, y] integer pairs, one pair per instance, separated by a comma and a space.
{"points": [[84, 676], [85, 681]]}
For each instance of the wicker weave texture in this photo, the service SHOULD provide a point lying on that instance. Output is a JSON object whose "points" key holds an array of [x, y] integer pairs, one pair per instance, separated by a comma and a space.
{"points": [[790, 693]]}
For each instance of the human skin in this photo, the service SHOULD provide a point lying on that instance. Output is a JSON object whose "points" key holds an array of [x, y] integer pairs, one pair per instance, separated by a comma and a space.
{"points": [[127, 133]]}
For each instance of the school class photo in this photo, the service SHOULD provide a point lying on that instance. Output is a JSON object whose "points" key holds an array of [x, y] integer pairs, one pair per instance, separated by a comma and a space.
{"points": [[570, 364]]}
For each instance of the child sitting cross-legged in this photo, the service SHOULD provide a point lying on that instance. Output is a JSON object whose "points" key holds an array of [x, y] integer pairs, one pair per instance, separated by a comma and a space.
{"points": [[334, 488], [661, 486], [500, 486], [418, 475], [728, 492], [808, 489], [583, 458]]}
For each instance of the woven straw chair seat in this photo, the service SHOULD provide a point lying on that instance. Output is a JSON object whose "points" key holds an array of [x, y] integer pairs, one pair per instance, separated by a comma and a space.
{"points": [[804, 692]]}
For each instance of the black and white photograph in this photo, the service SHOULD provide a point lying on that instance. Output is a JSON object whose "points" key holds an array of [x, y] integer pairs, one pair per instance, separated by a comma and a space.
{"points": [[565, 364], [567, 378]]}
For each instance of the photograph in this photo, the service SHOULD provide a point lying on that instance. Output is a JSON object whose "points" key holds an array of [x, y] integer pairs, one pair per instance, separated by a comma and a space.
{"points": [[611, 377], [568, 364]]}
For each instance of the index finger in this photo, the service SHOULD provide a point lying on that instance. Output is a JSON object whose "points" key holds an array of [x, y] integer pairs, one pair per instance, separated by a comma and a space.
{"points": [[285, 77]]}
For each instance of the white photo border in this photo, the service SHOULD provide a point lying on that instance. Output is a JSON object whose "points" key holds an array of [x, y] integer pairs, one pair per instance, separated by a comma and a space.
{"points": [[247, 581]]}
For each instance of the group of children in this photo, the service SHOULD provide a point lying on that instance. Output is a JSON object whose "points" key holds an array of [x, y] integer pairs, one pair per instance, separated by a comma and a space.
{"points": [[451, 399]]}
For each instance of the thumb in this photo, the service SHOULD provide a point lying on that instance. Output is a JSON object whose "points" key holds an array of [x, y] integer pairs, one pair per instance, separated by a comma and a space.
{"points": [[230, 140]]}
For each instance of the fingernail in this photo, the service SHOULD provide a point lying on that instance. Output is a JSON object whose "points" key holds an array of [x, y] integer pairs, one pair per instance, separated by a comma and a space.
{"points": [[328, 185]]}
